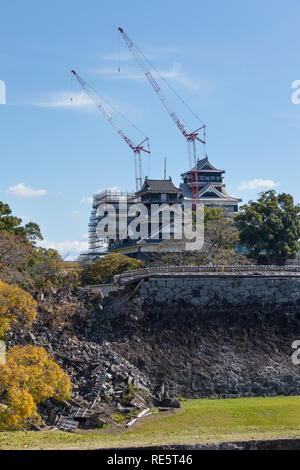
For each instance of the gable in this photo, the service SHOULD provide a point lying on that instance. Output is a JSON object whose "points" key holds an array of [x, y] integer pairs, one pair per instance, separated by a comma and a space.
{"points": [[210, 191]]}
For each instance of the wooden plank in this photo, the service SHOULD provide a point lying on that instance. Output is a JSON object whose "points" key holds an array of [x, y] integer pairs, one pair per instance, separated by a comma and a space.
{"points": [[139, 416], [67, 424]]}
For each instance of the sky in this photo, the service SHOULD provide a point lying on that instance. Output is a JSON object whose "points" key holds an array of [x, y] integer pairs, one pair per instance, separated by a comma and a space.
{"points": [[234, 63]]}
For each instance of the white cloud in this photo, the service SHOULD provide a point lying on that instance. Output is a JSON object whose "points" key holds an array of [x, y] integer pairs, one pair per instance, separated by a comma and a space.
{"points": [[25, 191], [86, 200], [257, 184], [66, 99], [82, 102], [67, 248], [175, 74]]}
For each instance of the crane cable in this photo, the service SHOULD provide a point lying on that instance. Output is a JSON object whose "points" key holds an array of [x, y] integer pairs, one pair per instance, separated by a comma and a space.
{"points": [[169, 85], [116, 110], [119, 69]]}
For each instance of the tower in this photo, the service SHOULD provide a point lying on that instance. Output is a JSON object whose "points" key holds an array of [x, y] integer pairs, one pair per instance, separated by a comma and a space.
{"points": [[212, 189]]}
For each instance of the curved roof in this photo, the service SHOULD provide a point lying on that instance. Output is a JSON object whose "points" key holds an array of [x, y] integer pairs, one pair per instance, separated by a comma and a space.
{"points": [[159, 186], [204, 166]]}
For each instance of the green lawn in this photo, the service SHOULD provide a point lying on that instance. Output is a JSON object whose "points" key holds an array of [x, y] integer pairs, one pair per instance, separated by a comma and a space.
{"points": [[199, 421]]}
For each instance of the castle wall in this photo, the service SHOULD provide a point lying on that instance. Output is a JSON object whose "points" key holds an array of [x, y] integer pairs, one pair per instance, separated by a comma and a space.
{"points": [[208, 291]]}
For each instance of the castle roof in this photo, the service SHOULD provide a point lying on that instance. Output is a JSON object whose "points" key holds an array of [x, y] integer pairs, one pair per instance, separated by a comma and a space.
{"points": [[210, 193], [159, 186], [205, 166]]}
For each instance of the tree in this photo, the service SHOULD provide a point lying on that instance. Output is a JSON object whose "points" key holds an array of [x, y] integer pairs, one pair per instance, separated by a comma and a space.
{"points": [[270, 225], [33, 232], [48, 269], [221, 257], [15, 305], [12, 225], [220, 236], [215, 213], [29, 376], [103, 270], [8, 222], [13, 252], [221, 233]]}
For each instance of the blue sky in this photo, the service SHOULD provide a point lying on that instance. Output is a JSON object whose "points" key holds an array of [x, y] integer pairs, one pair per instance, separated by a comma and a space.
{"points": [[232, 61]]}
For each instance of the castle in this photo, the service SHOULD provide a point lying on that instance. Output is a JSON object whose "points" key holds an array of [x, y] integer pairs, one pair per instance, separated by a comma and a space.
{"points": [[212, 193]]}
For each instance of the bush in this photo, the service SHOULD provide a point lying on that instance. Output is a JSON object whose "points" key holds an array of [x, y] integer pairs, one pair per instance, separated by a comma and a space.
{"points": [[104, 269], [51, 271], [28, 377]]}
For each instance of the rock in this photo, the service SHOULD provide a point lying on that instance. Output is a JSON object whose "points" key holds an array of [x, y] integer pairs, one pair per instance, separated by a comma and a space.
{"points": [[123, 375], [170, 403], [114, 368]]}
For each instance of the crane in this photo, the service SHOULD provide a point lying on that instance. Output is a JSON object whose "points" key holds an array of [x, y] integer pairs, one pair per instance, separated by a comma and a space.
{"points": [[191, 137], [137, 149]]}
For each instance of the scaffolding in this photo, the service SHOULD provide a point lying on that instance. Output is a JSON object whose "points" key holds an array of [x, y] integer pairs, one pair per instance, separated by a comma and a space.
{"points": [[98, 247]]}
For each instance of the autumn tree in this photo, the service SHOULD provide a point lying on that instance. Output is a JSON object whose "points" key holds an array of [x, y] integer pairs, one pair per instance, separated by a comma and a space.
{"points": [[16, 305], [17, 247], [14, 252], [50, 270], [29, 376], [103, 270], [270, 225]]}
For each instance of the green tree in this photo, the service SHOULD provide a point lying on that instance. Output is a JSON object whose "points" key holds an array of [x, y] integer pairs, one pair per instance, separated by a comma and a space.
{"points": [[33, 232], [215, 213], [270, 225], [8, 222], [103, 270], [12, 225]]}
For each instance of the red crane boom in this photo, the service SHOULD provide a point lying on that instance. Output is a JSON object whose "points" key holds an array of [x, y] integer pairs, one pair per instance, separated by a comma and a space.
{"points": [[137, 149], [191, 137]]}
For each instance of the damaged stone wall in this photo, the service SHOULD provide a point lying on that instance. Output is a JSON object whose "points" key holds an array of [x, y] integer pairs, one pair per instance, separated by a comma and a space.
{"points": [[225, 337]]}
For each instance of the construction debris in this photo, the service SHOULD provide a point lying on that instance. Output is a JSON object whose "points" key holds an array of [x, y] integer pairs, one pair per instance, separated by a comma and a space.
{"points": [[140, 415], [65, 423]]}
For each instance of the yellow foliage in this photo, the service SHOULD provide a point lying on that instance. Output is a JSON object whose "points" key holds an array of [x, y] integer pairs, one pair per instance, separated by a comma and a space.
{"points": [[20, 408], [56, 272], [15, 304], [29, 377], [103, 270]]}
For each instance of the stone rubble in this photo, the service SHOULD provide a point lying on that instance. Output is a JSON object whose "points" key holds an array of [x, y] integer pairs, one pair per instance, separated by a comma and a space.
{"points": [[154, 353], [85, 360]]}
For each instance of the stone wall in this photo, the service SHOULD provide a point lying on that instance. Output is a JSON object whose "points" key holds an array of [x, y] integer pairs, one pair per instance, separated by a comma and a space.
{"points": [[105, 289], [214, 290]]}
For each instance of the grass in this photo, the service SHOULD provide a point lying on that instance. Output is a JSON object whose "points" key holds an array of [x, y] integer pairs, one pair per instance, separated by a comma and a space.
{"points": [[199, 421]]}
